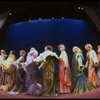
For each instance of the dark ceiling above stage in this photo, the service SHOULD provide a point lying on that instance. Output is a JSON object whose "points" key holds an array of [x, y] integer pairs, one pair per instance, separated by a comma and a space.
{"points": [[24, 10]]}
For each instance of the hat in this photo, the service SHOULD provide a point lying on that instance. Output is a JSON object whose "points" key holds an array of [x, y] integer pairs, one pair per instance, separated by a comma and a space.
{"points": [[75, 48], [88, 45]]}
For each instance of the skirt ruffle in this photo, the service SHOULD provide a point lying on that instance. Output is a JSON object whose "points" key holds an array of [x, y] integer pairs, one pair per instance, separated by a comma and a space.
{"points": [[82, 85]]}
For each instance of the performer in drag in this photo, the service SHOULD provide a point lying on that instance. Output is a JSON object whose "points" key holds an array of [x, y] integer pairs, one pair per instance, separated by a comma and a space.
{"points": [[80, 82], [92, 62], [48, 60], [19, 75], [32, 87], [98, 69], [64, 71], [2, 58], [7, 67]]}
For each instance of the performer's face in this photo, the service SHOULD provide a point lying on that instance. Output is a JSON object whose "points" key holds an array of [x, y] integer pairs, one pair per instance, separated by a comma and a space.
{"points": [[22, 54], [61, 48], [2, 53], [88, 48], [45, 48], [10, 52], [98, 49], [75, 50]]}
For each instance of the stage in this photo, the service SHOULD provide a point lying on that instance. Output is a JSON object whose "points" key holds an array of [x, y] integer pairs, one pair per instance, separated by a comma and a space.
{"points": [[26, 25], [91, 94]]}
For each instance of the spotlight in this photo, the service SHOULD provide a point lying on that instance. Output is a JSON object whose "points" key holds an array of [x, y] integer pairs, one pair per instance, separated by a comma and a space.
{"points": [[52, 17], [10, 13], [39, 18], [30, 20], [79, 7], [62, 17]]}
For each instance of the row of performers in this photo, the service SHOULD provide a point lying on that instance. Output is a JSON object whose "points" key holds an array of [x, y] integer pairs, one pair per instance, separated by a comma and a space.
{"points": [[18, 76]]}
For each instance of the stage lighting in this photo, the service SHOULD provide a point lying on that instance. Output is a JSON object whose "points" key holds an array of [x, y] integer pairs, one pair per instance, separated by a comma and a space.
{"points": [[39, 18], [79, 7], [30, 20], [62, 17], [10, 13], [52, 17]]}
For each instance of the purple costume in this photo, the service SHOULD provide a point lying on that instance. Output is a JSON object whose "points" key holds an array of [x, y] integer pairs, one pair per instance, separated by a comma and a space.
{"points": [[32, 87]]}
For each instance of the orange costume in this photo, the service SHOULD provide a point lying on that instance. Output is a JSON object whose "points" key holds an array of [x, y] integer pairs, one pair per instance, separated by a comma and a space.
{"points": [[92, 62], [64, 74]]}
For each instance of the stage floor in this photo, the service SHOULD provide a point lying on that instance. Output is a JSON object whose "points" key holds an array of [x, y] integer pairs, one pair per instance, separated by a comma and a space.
{"points": [[91, 94]]}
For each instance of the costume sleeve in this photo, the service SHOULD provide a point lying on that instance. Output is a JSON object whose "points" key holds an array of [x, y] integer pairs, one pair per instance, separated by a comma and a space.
{"points": [[65, 58], [19, 60], [56, 55], [80, 59], [39, 58], [86, 65], [95, 58]]}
